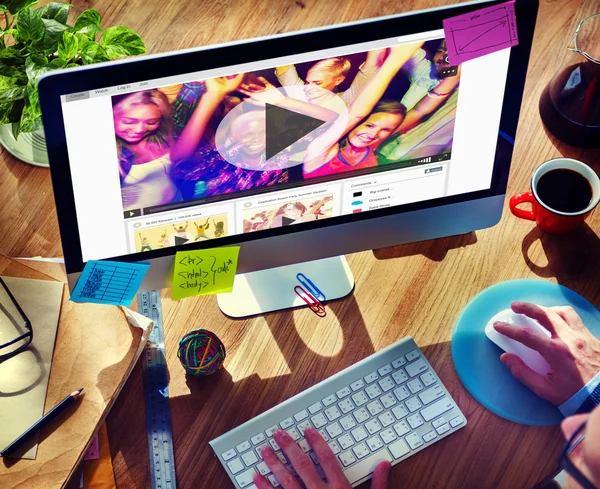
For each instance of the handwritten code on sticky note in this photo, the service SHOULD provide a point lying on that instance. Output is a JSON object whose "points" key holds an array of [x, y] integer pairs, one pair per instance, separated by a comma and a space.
{"points": [[109, 282], [204, 272], [481, 32]]}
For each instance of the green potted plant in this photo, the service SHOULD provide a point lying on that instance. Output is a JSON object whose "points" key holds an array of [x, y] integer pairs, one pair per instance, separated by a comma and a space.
{"points": [[38, 41]]}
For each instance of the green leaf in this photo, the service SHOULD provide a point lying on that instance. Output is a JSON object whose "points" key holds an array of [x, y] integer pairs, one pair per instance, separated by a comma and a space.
{"points": [[87, 17], [121, 41], [53, 35], [11, 111], [30, 26], [13, 72], [90, 31], [15, 6], [11, 94], [93, 53], [11, 55], [58, 11], [36, 66], [16, 129], [67, 47]]}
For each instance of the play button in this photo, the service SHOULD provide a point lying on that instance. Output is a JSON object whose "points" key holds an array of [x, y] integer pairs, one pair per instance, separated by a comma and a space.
{"points": [[281, 127]]}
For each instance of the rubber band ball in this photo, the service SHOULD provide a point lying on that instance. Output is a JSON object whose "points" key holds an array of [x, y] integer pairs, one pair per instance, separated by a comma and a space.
{"points": [[201, 352]]}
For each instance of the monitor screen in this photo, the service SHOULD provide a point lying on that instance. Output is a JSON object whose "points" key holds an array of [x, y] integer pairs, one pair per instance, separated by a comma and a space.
{"points": [[280, 142]]}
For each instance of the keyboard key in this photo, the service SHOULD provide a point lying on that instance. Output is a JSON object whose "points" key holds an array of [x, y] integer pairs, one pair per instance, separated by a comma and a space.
{"points": [[333, 413], [314, 408], [386, 419], [361, 450], [415, 386], [388, 436], [343, 392], [401, 393], [259, 449], [345, 441], [373, 391], [324, 435], [293, 432], [361, 415], [301, 415], [359, 384], [386, 369], [335, 448], [374, 443], [388, 400], [263, 468], [415, 421], [334, 430], [401, 428], [400, 376], [347, 422], [427, 437], [329, 400], [274, 445], [399, 449], [416, 368], [245, 478], [235, 466], [303, 444], [400, 411], [242, 447], [366, 466], [431, 394], [443, 429], [273, 480], [413, 404], [302, 426], [373, 426], [398, 362], [249, 459], [360, 398], [375, 408], [414, 440], [412, 355], [359, 434], [270, 432], [437, 408], [319, 420], [347, 458], [386, 384], [438, 422], [286, 423], [428, 378], [372, 377], [346, 406], [256, 439], [456, 422], [281, 457], [229, 454]]}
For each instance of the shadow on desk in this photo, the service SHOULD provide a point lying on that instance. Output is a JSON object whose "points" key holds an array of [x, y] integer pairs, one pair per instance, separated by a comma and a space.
{"points": [[435, 249]]}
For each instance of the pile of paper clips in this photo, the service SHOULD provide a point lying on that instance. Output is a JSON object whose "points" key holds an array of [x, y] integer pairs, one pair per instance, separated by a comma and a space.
{"points": [[310, 294]]}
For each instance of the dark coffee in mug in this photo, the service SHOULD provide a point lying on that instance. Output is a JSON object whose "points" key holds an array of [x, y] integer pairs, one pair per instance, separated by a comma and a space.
{"points": [[565, 190]]}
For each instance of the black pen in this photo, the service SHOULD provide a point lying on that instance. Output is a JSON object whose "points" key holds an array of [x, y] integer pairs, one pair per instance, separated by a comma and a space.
{"points": [[44, 420]]}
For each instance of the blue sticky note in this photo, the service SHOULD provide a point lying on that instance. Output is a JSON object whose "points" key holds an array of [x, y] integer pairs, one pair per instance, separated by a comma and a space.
{"points": [[109, 282]]}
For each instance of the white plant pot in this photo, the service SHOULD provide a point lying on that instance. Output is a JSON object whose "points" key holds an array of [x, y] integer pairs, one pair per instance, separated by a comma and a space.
{"points": [[29, 147]]}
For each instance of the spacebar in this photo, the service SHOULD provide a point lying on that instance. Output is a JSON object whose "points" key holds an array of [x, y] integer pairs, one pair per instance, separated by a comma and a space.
{"points": [[366, 466]]}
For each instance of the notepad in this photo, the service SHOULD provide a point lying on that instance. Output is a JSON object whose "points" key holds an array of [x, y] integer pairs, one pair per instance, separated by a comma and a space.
{"points": [[109, 282]]}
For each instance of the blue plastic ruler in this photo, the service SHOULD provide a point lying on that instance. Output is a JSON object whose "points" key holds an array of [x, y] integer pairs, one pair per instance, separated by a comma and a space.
{"points": [[156, 396]]}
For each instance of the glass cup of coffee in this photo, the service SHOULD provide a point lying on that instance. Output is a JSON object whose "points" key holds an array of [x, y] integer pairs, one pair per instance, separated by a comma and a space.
{"points": [[563, 194]]}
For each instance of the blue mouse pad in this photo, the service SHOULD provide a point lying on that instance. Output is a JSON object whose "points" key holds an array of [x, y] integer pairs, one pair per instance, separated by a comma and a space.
{"points": [[477, 359]]}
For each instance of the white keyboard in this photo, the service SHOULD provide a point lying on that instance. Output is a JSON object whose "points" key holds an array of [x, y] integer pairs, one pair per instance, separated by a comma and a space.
{"points": [[388, 406]]}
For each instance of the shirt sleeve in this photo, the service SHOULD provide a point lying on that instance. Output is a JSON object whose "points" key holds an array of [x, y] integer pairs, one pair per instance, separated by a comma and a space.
{"points": [[289, 78], [584, 400], [361, 78]]}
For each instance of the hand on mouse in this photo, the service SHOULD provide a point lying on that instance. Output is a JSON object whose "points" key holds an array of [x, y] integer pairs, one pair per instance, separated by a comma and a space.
{"points": [[572, 352], [306, 470]]}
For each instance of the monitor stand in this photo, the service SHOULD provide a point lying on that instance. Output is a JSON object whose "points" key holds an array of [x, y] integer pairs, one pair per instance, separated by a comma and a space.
{"points": [[273, 289]]}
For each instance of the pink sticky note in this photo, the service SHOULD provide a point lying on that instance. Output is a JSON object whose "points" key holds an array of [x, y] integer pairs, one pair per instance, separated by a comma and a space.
{"points": [[93, 452], [481, 32]]}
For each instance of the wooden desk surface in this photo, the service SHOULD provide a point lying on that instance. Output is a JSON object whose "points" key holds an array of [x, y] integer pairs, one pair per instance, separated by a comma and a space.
{"points": [[416, 289]]}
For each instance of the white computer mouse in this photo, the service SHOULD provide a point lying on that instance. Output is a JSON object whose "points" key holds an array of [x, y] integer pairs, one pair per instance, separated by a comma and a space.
{"points": [[530, 357]]}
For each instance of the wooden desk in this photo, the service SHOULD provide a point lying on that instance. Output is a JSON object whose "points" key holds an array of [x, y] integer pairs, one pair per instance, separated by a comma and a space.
{"points": [[417, 289]]}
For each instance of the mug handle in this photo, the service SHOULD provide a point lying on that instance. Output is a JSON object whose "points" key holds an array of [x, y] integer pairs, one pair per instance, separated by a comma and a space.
{"points": [[517, 199]]}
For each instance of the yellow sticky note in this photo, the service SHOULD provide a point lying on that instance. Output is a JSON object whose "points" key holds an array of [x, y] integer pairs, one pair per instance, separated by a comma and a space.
{"points": [[203, 272]]}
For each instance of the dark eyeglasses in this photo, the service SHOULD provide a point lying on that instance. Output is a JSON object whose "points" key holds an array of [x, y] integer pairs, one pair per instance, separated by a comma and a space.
{"points": [[568, 465], [10, 308]]}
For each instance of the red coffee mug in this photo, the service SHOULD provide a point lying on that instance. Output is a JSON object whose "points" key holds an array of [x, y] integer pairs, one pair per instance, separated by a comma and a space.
{"points": [[551, 220]]}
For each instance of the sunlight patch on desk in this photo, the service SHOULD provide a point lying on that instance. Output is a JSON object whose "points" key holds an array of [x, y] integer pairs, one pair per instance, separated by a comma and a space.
{"points": [[323, 336]]}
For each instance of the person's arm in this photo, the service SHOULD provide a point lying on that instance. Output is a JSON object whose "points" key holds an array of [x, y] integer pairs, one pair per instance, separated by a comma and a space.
{"points": [[192, 133], [375, 59], [288, 76], [572, 352], [428, 104]]}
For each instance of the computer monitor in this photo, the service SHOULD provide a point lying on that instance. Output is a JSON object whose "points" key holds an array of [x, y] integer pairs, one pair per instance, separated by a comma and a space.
{"points": [[296, 147]]}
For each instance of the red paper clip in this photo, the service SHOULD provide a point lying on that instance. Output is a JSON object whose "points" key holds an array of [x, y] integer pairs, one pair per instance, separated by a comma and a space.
{"points": [[315, 305]]}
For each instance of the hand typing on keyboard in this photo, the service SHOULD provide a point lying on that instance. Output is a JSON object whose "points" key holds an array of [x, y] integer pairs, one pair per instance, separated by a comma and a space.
{"points": [[572, 352], [305, 469]]}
